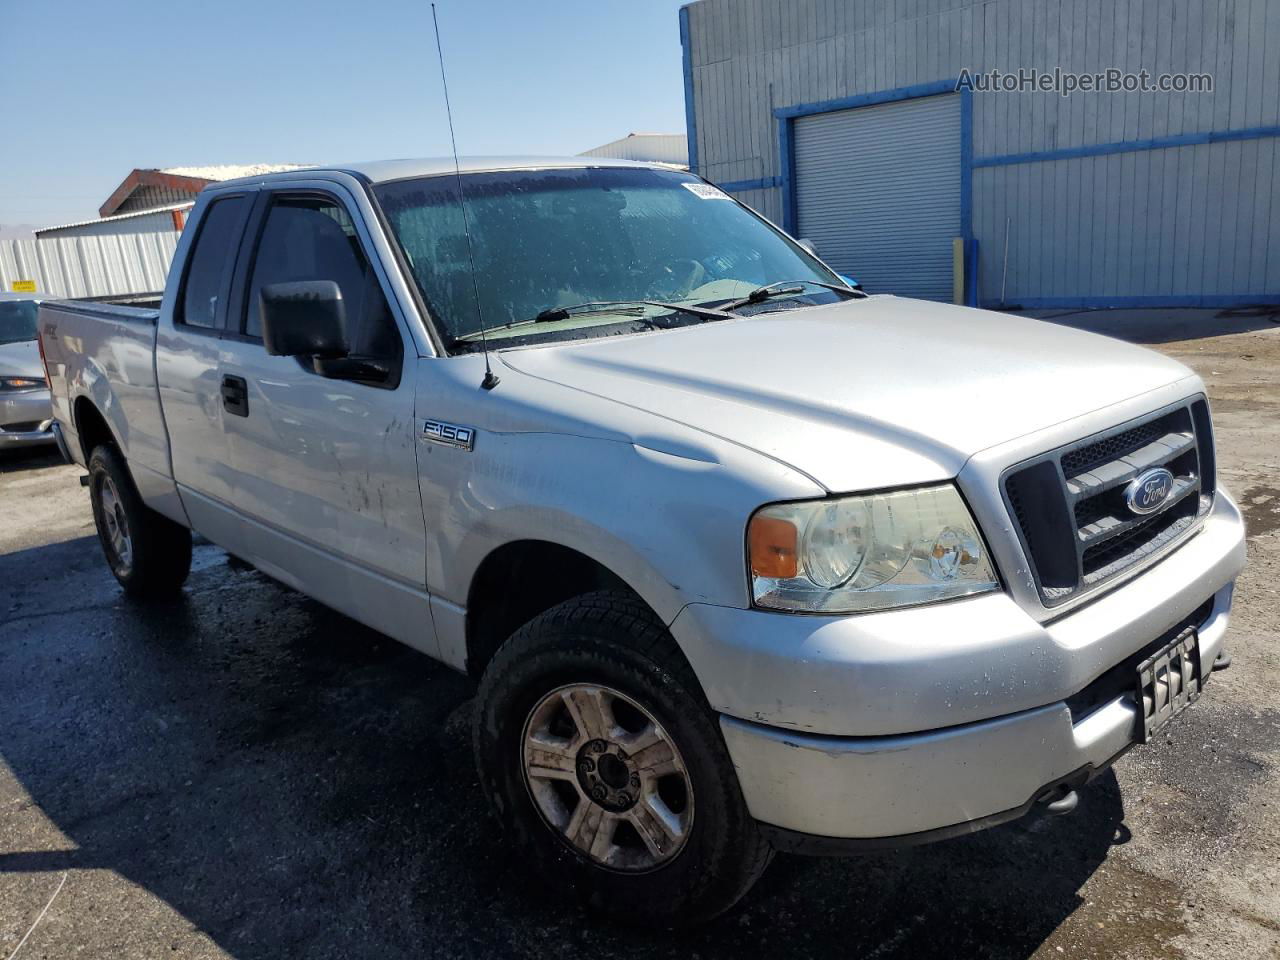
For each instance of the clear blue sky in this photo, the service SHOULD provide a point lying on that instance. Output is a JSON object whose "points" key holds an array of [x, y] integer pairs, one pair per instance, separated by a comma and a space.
{"points": [[94, 88]]}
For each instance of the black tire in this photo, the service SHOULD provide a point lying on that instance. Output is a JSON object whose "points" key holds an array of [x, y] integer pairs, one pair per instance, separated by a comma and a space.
{"points": [[611, 639], [158, 555]]}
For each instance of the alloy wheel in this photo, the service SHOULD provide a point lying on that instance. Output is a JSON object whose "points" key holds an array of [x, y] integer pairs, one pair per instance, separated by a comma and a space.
{"points": [[607, 778], [117, 525]]}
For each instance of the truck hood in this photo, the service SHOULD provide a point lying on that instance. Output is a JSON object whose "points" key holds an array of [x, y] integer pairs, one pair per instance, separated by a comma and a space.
{"points": [[21, 359], [864, 393]]}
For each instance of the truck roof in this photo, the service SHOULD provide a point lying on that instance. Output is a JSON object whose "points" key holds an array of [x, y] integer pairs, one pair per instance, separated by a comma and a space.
{"points": [[381, 171]]}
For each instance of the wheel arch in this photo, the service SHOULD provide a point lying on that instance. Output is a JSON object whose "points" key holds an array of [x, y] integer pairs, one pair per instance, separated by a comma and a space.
{"points": [[521, 579], [92, 428]]}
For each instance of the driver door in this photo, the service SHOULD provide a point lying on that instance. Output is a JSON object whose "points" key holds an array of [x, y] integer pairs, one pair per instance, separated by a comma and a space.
{"points": [[325, 469]]}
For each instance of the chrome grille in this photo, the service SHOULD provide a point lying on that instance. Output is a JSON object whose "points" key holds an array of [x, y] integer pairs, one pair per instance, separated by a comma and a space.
{"points": [[1069, 504]]}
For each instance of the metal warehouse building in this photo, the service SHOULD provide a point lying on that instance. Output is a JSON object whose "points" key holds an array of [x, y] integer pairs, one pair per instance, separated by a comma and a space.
{"points": [[656, 147], [842, 120], [127, 249]]}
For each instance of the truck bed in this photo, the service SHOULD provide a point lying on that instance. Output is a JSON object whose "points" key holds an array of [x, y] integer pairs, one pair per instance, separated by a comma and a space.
{"points": [[105, 353]]}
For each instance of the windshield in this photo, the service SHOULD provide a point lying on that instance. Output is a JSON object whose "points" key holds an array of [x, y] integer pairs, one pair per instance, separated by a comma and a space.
{"points": [[548, 239], [17, 320]]}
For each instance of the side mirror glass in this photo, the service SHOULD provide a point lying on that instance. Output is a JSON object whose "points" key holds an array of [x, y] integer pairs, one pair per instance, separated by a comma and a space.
{"points": [[304, 318]]}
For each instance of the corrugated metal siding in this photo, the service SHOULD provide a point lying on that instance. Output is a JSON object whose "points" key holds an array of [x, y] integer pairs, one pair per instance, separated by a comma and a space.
{"points": [[1217, 204], [146, 197], [878, 193], [92, 266], [767, 203], [1167, 222], [749, 56], [156, 222]]}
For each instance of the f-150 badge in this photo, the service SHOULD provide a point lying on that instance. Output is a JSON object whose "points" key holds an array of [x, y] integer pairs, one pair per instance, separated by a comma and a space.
{"points": [[450, 434]]}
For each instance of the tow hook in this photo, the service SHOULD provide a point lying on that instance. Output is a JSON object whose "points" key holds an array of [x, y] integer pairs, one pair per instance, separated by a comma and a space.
{"points": [[1222, 661], [1060, 801]]}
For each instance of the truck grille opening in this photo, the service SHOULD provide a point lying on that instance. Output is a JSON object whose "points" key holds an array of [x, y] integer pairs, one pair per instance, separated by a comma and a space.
{"points": [[1121, 678], [1104, 451], [1070, 508]]}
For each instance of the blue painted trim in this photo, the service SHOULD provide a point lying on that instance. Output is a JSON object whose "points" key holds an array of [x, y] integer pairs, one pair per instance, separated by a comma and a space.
{"points": [[971, 272], [760, 183], [1129, 146], [1120, 303], [690, 120], [867, 99], [787, 162]]}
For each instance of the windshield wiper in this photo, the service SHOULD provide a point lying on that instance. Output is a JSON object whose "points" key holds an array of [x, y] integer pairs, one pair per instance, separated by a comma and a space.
{"points": [[786, 288], [629, 308]]}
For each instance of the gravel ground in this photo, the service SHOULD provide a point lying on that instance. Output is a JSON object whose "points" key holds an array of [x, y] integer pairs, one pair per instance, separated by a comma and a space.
{"points": [[243, 773]]}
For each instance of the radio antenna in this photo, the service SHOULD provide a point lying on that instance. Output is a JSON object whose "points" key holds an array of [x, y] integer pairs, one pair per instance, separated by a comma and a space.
{"points": [[490, 378]]}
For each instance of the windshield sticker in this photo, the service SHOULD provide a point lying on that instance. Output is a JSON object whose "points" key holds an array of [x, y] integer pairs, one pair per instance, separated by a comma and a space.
{"points": [[706, 191]]}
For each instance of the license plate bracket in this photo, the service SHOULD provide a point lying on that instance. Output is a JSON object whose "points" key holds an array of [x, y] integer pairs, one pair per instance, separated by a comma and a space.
{"points": [[1169, 681]]}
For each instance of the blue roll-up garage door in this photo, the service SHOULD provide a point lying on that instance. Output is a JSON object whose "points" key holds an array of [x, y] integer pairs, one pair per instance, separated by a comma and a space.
{"points": [[878, 192]]}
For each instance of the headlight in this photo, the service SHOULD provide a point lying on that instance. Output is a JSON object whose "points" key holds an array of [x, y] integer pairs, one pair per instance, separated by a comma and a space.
{"points": [[20, 383], [867, 552]]}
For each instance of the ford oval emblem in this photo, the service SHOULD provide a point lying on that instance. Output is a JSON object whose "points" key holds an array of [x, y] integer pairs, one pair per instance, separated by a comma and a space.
{"points": [[1148, 491]]}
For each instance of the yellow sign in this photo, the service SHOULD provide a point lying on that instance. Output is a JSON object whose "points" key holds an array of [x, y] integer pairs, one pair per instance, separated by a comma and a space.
{"points": [[24, 286]]}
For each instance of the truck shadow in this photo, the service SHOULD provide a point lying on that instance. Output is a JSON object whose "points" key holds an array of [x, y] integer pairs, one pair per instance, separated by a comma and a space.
{"points": [[30, 458], [296, 785]]}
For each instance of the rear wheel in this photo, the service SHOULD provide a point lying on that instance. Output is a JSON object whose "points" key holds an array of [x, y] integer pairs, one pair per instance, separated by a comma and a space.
{"points": [[149, 554], [606, 767]]}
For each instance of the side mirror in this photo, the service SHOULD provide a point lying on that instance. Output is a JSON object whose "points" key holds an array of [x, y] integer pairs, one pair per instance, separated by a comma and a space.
{"points": [[808, 245], [304, 318]]}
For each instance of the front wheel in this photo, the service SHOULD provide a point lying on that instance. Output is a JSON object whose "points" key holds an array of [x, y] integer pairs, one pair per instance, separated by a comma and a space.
{"points": [[149, 554], [606, 767]]}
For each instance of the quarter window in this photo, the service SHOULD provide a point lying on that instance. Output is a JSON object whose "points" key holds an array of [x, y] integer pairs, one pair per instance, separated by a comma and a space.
{"points": [[211, 262]]}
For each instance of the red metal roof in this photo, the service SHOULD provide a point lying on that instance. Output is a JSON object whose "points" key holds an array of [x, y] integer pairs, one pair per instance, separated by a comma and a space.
{"points": [[150, 178]]}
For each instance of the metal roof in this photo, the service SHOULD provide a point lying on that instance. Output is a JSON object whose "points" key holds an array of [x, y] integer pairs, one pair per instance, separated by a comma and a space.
{"points": [[380, 171], [231, 171], [670, 148], [183, 180], [185, 205]]}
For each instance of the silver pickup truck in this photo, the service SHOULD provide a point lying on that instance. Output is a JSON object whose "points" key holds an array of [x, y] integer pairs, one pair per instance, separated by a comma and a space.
{"points": [[741, 558]]}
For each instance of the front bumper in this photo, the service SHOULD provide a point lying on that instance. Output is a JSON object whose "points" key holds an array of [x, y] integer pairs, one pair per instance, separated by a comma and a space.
{"points": [[26, 419], [913, 723], [926, 786]]}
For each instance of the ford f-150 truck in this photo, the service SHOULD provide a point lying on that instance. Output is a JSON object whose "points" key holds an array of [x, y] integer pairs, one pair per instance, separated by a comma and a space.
{"points": [[741, 558]]}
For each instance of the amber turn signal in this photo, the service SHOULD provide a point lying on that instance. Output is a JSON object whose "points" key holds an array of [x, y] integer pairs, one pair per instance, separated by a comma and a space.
{"points": [[771, 547]]}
